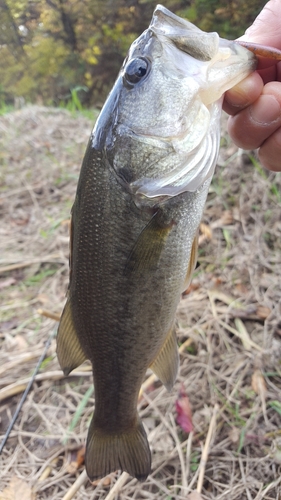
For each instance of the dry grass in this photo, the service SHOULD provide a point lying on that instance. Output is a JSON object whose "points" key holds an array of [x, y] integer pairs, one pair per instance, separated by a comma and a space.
{"points": [[231, 314]]}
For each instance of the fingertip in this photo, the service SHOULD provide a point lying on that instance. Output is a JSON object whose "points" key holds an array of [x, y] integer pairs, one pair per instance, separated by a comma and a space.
{"points": [[270, 152], [273, 89], [243, 94], [252, 126], [265, 112], [233, 131]]}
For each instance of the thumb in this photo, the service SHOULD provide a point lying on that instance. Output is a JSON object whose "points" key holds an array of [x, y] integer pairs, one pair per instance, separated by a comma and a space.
{"points": [[266, 29]]}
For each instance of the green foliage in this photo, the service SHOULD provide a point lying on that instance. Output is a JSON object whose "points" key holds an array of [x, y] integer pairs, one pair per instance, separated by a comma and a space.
{"points": [[79, 410], [276, 405], [230, 19], [49, 47], [73, 103]]}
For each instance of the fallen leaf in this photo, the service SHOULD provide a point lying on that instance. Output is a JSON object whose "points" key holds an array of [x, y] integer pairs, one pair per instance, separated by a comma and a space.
{"points": [[194, 495], [19, 221], [66, 222], [226, 219], [242, 289], [43, 298], [263, 312], [216, 281], [192, 287], [251, 312], [17, 490], [77, 458], [257, 439], [206, 233], [258, 383], [234, 435], [6, 326], [7, 282], [183, 409], [106, 481], [21, 343]]}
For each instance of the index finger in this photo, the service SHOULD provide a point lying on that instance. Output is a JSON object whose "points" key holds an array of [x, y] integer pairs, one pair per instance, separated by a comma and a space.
{"points": [[243, 94]]}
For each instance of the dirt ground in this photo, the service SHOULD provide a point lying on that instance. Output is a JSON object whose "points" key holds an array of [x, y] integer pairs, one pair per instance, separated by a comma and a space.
{"points": [[230, 366]]}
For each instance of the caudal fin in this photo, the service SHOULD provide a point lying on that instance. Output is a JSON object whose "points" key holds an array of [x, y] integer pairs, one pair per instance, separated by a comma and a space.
{"points": [[127, 451]]}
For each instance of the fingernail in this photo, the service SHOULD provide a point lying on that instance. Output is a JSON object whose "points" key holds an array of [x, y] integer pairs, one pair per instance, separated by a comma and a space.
{"points": [[266, 110]]}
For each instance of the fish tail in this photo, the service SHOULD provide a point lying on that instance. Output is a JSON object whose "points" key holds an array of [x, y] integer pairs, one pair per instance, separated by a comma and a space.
{"points": [[127, 451]]}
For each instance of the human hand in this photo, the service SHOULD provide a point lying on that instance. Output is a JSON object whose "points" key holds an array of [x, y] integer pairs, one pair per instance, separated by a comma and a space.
{"points": [[255, 103]]}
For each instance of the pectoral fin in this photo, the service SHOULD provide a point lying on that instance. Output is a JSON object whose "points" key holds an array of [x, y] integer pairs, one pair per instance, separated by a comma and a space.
{"points": [[166, 364], [148, 247], [69, 351], [192, 262]]}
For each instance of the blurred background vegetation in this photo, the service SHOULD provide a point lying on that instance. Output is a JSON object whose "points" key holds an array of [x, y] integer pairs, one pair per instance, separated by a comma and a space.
{"points": [[51, 51]]}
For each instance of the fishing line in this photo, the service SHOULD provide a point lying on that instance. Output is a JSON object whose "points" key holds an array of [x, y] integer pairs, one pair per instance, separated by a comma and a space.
{"points": [[27, 389]]}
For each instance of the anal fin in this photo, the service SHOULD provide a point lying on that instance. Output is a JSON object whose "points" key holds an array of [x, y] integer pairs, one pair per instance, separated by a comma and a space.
{"points": [[69, 351], [166, 363]]}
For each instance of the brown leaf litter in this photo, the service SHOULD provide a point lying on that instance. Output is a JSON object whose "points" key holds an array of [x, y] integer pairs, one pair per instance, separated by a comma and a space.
{"points": [[229, 319]]}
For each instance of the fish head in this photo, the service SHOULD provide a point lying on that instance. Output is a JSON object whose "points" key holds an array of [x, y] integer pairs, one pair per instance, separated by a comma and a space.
{"points": [[163, 136]]}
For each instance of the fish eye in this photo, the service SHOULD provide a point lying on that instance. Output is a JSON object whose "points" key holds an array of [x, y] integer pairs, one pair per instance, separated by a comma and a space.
{"points": [[136, 70]]}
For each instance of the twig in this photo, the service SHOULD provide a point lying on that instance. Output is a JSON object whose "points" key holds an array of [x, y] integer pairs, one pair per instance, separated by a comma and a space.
{"points": [[39, 260], [188, 454], [47, 471], [249, 496], [274, 484], [20, 305], [76, 486], [22, 358], [28, 387], [245, 339], [49, 314], [117, 487], [16, 387], [205, 452], [173, 431]]}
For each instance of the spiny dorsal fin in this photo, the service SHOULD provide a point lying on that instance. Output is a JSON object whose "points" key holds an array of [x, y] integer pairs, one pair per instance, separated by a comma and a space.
{"points": [[166, 363], [69, 351], [126, 451]]}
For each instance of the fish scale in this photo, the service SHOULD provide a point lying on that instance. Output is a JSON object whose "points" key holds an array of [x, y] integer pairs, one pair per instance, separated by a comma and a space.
{"points": [[140, 197]]}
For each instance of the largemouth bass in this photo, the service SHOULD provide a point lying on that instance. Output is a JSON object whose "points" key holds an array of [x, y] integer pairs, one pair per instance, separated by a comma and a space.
{"points": [[140, 197]]}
